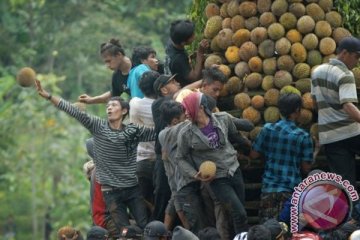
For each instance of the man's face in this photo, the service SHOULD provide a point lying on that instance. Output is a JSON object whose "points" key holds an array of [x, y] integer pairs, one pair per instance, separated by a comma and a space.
{"points": [[171, 87], [113, 62], [353, 59], [212, 89], [152, 62], [114, 111]]}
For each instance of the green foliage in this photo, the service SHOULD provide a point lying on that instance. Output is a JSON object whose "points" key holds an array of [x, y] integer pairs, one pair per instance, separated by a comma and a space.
{"points": [[349, 10]]}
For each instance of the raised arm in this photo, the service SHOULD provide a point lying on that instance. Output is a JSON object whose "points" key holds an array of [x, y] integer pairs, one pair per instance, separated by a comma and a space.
{"points": [[55, 100], [103, 98]]}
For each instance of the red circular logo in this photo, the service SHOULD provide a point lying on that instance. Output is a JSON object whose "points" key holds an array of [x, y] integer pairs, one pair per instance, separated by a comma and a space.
{"points": [[324, 206]]}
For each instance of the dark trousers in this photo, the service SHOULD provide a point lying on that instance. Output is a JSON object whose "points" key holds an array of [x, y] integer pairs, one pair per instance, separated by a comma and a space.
{"points": [[118, 200], [230, 191], [144, 172], [341, 158], [162, 192]]}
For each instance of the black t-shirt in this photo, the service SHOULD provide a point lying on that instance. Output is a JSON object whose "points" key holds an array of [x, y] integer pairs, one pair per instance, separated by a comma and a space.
{"points": [[177, 61], [159, 123], [119, 83]]}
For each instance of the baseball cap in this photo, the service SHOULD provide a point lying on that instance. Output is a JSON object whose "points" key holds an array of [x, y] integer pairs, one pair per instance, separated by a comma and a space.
{"points": [[155, 229], [97, 233], [181, 233], [161, 81], [350, 44]]}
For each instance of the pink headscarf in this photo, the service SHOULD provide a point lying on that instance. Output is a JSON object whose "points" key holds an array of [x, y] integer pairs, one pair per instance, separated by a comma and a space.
{"points": [[192, 104]]}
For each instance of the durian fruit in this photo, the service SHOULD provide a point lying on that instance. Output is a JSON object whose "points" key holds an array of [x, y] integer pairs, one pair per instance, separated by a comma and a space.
{"points": [[212, 9], [327, 57], [232, 54], [327, 46], [254, 133], [234, 85], [305, 117], [307, 101], [315, 11], [214, 46], [267, 48], [247, 9], [242, 101], [314, 58], [213, 26], [334, 19], [258, 35], [255, 64], [223, 10], [224, 38], [233, 8], [282, 46], [207, 169], [252, 115], [288, 20], [26, 77], [323, 29], [339, 33], [248, 50], [290, 89], [241, 36], [226, 23], [276, 31], [266, 19], [251, 23], [225, 69], [298, 52], [253, 80], [271, 97], [212, 59], [301, 70], [304, 85], [314, 131], [267, 82], [294, 36], [305, 24], [263, 6], [310, 41], [282, 78], [271, 114], [285, 62], [326, 5], [298, 9], [241, 69], [279, 7], [269, 66], [257, 102], [237, 22]]}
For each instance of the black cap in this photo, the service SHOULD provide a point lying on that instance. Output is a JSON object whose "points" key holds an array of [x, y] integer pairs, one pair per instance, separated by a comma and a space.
{"points": [[97, 233], [161, 81], [155, 229], [275, 228], [350, 44]]}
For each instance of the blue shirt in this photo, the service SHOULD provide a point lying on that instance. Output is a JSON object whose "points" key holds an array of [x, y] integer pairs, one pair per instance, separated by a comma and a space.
{"points": [[133, 80], [284, 146]]}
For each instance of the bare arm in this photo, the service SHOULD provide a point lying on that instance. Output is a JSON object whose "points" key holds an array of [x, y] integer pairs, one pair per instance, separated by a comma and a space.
{"points": [[200, 58], [103, 98], [55, 100], [193, 85], [352, 110]]}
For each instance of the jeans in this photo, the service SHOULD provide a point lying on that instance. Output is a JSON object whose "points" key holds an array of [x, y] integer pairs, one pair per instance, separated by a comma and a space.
{"points": [[189, 199], [118, 200], [230, 191], [144, 172], [341, 157], [162, 192]]}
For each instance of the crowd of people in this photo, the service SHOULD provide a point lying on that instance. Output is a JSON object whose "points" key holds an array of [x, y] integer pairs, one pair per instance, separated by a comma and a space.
{"points": [[145, 156]]}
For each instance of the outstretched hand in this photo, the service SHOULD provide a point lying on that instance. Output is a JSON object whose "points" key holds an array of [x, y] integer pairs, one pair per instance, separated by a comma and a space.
{"points": [[40, 90], [84, 98]]}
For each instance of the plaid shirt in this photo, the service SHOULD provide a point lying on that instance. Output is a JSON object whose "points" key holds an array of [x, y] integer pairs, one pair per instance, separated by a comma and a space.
{"points": [[284, 146]]}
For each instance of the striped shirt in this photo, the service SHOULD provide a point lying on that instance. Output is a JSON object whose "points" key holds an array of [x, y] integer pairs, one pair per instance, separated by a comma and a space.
{"points": [[284, 146], [332, 85], [114, 149]]}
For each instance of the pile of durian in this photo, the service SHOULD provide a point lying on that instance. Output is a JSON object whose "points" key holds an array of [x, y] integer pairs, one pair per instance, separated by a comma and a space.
{"points": [[268, 47]]}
